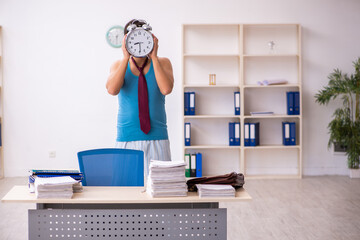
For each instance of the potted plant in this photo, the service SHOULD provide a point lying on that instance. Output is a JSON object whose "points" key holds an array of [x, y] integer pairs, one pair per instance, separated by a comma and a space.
{"points": [[344, 128]]}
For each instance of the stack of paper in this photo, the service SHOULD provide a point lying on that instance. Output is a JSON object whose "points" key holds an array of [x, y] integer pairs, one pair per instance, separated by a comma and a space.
{"points": [[274, 81], [166, 179], [44, 173], [262, 113], [215, 190], [54, 187]]}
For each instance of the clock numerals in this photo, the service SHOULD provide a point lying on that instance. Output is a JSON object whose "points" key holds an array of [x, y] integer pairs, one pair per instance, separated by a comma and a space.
{"points": [[139, 42]]}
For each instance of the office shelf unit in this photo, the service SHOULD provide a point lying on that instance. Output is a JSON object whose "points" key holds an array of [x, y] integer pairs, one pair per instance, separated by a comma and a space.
{"points": [[1, 108], [241, 55]]}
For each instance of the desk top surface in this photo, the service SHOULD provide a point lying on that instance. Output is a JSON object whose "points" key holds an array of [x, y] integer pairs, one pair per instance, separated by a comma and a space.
{"points": [[21, 194]]}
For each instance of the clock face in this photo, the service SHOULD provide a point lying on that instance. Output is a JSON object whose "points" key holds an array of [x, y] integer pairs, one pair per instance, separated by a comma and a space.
{"points": [[115, 36], [139, 42]]}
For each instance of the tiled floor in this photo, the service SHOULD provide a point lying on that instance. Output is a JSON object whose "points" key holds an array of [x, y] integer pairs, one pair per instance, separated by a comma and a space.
{"points": [[309, 208]]}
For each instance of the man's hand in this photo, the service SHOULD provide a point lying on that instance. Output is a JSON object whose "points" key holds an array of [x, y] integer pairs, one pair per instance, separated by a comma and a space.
{"points": [[153, 53], [125, 52]]}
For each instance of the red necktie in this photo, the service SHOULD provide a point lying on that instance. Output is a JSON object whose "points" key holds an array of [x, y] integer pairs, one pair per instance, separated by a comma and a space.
{"points": [[143, 100]]}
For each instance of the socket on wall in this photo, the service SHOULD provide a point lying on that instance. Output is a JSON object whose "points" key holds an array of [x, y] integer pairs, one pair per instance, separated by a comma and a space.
{"points": [[52, 154]]}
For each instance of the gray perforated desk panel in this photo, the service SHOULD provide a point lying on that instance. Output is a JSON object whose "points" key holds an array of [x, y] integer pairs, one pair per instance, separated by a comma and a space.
{"points": [[124, 213]]}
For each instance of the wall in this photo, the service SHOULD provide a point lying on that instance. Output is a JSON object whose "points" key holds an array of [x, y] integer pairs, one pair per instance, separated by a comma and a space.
{"points": [[56, 62]]}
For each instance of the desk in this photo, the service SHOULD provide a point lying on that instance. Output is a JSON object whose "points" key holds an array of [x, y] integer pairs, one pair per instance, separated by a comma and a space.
{"points": [[124, 213]]}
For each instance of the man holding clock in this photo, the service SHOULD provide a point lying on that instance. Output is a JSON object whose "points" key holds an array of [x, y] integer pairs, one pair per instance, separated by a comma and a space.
{"points": [[141, 80]]}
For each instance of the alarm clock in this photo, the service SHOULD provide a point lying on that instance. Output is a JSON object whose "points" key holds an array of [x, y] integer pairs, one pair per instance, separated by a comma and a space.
{"points": [[139, 41]]}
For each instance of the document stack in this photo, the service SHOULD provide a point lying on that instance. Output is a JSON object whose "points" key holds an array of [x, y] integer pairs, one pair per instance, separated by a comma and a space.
{"points": [[45, 173], [166, 179], [215, 190], [54, 187]]}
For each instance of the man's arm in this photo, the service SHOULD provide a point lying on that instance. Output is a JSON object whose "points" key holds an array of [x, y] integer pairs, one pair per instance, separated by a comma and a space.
{"points": [[117, 73], [163, 70]]}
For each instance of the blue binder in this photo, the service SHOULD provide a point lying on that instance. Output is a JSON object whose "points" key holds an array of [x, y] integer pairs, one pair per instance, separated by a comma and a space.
{"points": [[296, 103], [234, 134], [187, 134], [192, 103], [292, 133], [193, 165], [254, 134], [237, 133], [289, 133], [186, 103], [246, 134], [231, 134], [286, 133], [237, 103], [198, 165], [293, 103], [290, 103]]}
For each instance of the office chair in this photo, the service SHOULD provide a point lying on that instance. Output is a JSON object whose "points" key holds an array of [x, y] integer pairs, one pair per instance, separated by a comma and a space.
{"points": [[112, 167]]}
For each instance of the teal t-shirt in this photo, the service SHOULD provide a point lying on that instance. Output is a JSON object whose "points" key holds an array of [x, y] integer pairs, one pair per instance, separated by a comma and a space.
{"points": [[128, 124]]}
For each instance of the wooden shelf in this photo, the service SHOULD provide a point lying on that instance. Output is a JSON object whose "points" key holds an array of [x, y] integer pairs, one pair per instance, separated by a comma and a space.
{"points": [[210, 86], [271, 116], [210, 116], [210, 55], [272, 86], [273, 147], [244, 58], [212, 147], [270, 55]]}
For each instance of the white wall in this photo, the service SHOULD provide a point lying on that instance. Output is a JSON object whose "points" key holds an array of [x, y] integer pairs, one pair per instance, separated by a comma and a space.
{"points": [[56, 62]]}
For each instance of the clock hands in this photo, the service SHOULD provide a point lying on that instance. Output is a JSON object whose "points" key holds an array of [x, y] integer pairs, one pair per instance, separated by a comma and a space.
{"points": [[139, 43]]}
